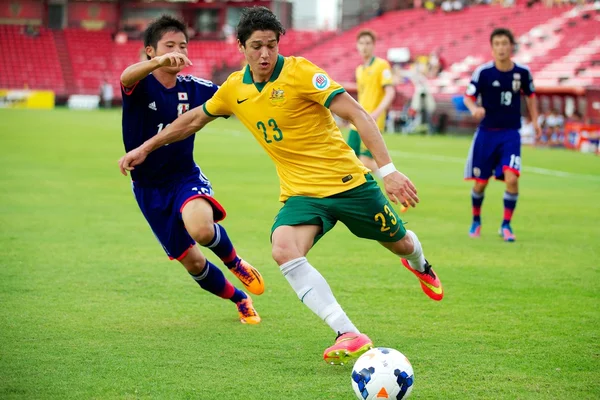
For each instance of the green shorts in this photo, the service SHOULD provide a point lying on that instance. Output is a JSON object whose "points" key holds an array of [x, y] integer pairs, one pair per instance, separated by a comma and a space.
{"points": [[357, 145], [364, 210]]}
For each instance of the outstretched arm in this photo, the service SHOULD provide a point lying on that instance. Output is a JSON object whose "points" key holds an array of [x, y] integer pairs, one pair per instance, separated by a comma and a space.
{"points": [[183, 127], [398, 187], [136, 72]]}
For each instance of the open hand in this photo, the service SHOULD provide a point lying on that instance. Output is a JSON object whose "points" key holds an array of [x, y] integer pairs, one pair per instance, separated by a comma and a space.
{"points": [[400, 189]]}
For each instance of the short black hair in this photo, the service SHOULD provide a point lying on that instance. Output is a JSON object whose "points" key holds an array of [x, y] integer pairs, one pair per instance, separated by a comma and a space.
{"points": [[502, 32], [258, 18], [157, 28]]}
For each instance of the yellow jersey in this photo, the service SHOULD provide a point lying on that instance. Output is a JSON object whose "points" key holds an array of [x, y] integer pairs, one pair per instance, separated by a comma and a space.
{"points": [[289, 117], [371, 81]]}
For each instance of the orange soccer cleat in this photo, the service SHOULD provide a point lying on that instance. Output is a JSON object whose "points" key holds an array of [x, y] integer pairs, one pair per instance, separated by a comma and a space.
{"points": [[248, 314], [249, 276]]}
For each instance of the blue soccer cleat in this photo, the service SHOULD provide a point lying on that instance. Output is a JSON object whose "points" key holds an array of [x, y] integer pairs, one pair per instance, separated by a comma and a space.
{"points": [[475, 230], [507, 233]]}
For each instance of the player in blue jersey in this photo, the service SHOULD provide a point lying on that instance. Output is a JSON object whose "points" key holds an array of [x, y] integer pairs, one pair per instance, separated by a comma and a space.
{"points": [[172, 192], [496, 147]]}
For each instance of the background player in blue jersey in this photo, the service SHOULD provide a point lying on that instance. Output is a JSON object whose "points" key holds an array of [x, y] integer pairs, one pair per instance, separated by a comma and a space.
{"points": [[171, 190], [496, 147]]}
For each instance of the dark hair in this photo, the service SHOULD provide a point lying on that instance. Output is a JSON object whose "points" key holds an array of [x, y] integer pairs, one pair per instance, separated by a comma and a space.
{"points": [[366, 32], [258, 19], [157, 28], [502, 32]]}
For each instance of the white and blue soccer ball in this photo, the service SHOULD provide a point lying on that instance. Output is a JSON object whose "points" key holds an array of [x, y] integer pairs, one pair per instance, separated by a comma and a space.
{"points": [[382, 373]]}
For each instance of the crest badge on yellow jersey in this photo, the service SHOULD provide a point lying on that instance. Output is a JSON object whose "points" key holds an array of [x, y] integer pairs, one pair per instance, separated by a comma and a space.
{"points": [[277, 96]]}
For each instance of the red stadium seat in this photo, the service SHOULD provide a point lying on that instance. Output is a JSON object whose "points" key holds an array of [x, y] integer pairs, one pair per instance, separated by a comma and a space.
{"points": [[42, 67]]}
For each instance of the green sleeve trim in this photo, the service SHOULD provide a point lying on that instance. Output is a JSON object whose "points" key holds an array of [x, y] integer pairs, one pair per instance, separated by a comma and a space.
{"points": [[211, 115], [332, 95]]}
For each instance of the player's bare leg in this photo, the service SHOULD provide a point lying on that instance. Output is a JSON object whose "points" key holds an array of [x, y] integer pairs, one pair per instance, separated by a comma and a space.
{"points": [[194, 261], [290, 247], [510, 202], [411, 252], [477, 195], [198, 218], [369, 163], [211, 279]]}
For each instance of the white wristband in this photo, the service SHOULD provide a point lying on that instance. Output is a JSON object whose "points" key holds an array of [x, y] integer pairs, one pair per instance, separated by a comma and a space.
{"points": [[386, 170]]}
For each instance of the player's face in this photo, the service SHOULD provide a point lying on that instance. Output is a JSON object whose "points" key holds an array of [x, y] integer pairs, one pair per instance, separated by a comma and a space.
{"points": [[261, 51], [501, 48], [171, 42], [365, 46]]}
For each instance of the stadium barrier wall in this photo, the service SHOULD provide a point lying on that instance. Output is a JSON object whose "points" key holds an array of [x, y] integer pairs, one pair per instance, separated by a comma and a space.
{"points": [[582, 137], [36, 99]]}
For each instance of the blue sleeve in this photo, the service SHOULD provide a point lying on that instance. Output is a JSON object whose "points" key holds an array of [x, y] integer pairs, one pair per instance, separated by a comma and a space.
{"points": [[136, 91], [474, 88], [528, 88]]}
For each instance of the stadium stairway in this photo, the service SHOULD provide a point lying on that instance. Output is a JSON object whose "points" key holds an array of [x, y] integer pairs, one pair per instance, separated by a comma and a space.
{"points": [[65, 61]]}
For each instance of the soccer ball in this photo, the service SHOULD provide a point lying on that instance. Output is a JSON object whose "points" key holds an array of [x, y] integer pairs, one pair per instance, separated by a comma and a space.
{"points": [[382, 373]]}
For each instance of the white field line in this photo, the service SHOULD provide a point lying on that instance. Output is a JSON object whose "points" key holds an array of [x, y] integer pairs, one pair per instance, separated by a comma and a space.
{"points": [[446, 159], [457, 160]]}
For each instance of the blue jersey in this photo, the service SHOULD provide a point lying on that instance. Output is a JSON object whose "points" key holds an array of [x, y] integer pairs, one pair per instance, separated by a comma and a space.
{"points": [[501, 94], [148, 107]]}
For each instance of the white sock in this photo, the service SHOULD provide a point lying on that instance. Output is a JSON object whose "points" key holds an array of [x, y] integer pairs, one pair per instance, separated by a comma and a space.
{"points": [[314, 291], [416, 260]]}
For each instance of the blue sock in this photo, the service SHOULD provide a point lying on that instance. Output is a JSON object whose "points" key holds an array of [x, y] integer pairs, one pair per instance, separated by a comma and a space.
{"points": [[212, 280], [223, 248], [510, 203], [477, 201]]}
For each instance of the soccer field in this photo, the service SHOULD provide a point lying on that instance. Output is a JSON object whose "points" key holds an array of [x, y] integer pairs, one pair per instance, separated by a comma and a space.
{"points": [[91, 308]]}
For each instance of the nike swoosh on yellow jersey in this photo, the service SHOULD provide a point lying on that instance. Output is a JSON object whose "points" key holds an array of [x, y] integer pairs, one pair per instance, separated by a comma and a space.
{"points": [[434, 289]]}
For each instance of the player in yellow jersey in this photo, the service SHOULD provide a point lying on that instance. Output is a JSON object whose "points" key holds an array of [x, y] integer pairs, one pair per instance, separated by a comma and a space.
{"points": [[375, 92], [285, 103]]}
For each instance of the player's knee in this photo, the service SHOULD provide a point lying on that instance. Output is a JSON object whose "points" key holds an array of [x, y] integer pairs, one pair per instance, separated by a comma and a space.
{"points": [[511, 179], [202, 233], [480, 186], [196, 267], [194, 262], [284, 252]]}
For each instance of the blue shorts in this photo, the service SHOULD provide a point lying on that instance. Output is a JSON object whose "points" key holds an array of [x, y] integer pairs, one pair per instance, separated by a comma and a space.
{"points": [[493, 152], [162, 208]]}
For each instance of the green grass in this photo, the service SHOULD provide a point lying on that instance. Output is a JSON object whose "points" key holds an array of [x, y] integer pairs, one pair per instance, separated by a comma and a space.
{"points": [[92, 309]]}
